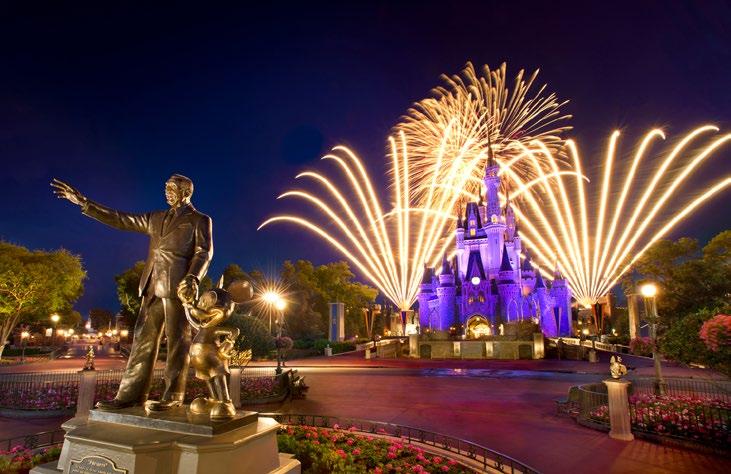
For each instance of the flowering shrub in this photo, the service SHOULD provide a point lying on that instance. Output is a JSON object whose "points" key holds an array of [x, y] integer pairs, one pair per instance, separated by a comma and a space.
{"points": [[716, 332], [642, 346], [63, 395], [58, 396], [20, 460], [322, 450], [698, 419]]}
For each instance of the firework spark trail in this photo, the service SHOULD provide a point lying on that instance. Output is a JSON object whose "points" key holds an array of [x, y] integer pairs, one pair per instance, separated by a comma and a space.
{"points": [[479, 110], [389, 248], [594, 263]]}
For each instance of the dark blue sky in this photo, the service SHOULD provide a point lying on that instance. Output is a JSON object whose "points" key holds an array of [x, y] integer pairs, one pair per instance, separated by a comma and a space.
{"points": [[240, 98]]}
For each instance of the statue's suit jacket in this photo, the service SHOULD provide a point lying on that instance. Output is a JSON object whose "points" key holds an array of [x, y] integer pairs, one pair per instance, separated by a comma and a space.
{"points": [[179, 245]]}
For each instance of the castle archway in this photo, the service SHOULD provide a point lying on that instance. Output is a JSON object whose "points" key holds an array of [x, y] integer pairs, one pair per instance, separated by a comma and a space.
{"points": [[477, 326]]}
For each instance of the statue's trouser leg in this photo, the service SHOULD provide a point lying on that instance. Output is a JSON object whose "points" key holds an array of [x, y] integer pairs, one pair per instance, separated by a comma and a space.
{"points": [[211, 389], [219, 381], [135, 384], [177, 331]]}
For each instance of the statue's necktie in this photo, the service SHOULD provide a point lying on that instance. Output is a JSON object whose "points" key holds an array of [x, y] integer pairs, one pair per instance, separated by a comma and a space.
{"points": [[168, 219]]}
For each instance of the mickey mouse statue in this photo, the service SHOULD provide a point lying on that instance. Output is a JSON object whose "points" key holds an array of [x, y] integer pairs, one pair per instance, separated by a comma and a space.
{"points": [[211, 348]]}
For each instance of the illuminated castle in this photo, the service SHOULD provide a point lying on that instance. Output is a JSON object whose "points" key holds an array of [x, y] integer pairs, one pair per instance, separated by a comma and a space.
{"points": [[487, 284]]}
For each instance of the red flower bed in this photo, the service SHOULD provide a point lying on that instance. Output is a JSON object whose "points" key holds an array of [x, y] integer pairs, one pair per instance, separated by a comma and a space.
{"points": [[20, 460], [323, 450], [63, 395], [716, 332], [697, 419]]}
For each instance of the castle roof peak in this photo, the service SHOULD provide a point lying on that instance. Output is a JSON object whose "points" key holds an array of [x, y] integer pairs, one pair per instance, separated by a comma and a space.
{"points": [[505, 265], [526, 265], [539, 279], [446, 267]]}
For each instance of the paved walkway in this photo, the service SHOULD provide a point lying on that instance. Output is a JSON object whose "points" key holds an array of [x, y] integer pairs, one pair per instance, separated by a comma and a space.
{"points": [[516, 416], [509, 406], [639, 366]]}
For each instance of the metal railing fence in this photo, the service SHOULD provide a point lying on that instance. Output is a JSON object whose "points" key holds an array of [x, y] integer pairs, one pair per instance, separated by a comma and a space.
{"points": [[489, 459], [593, 404], [34, 441], [59, 390], [697, 388]]}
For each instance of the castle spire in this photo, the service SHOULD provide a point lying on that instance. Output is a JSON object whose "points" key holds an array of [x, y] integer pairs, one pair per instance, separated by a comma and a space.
{"points": [[557, 275], [539, 279], [526, 266], [446, 267], [505, 265], [490, 155], [459, 216]]}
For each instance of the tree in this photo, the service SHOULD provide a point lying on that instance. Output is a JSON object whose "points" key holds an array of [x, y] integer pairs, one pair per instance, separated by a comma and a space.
{"points": [[100, 318], [233, 272], [128, 283], [254, 335], [312, 288], [689, 278], [34, 284]]}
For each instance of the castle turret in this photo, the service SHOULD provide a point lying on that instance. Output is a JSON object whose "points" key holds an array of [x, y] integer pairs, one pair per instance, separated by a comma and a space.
{"points": [[494, 225], [546, 317], [447, 294], [459, 242], [426, 292], [492, 186], [508, 289], [561, 295], [509, 217]]}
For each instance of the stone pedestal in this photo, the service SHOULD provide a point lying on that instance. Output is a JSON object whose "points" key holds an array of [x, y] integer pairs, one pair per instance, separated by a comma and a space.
{"points": [[538, 346], [619, 420], [234, 386], [175, 442], [87, 389], [414, 345]]}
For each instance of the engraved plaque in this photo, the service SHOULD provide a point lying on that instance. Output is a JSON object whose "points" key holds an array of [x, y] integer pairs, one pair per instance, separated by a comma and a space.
{"points": [[95, 465]]}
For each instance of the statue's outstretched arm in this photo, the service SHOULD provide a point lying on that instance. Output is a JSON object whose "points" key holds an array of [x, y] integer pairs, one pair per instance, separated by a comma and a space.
{"points": [[105, 215]]}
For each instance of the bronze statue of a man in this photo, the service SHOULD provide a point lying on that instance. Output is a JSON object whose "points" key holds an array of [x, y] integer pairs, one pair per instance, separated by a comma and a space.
{"points": [[181, 249]]}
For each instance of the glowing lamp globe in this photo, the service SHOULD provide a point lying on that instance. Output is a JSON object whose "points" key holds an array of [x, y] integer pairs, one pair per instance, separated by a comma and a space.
{"points": [[475, 280], [280, 304], [648, 290]]}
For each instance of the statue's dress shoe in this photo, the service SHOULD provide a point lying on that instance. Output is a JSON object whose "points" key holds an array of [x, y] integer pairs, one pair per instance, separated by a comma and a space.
{"points": [[113, 404], [201, 405], [223, 411], [162, 405]]}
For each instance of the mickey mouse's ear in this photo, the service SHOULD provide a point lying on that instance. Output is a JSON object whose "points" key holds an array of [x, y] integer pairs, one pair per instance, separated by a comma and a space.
{"points": [[240, 291]]}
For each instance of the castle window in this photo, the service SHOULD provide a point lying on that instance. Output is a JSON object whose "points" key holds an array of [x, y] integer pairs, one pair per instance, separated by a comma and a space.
{"points": [[472, 232]]}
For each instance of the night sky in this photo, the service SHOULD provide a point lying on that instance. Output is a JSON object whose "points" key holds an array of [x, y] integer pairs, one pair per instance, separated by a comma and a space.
{"points": [[241, 98]]}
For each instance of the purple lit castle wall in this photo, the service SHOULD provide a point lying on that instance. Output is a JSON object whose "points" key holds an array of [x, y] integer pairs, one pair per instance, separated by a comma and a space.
{"points": [[486, 283]]}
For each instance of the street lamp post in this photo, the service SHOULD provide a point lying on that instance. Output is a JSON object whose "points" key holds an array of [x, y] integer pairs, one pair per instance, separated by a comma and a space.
{"points": [[55, 318], [276, 303], [649, 292], [24, 335], [279, 305]]}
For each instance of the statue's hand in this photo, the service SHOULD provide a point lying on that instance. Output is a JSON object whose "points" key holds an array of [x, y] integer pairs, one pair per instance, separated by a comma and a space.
{"points": [[65, 191], [188, 289], [225, 349]]}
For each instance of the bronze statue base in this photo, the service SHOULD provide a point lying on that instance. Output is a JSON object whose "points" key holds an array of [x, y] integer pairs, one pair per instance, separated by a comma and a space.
{"points": [[173, 442]]}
